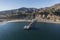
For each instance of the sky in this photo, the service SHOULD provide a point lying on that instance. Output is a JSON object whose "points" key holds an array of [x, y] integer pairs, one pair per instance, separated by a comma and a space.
{"points": [[14, 4]]}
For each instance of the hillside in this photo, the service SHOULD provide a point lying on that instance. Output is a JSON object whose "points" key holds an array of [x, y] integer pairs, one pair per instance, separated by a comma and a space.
{"points": [[28, 12]]}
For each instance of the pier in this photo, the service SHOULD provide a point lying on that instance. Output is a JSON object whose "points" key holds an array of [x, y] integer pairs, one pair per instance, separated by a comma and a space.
{"points": [[29, 26]]}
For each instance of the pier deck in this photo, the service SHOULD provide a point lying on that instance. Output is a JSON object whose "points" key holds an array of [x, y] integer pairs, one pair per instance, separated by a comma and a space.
{"points": [[29, 26]]}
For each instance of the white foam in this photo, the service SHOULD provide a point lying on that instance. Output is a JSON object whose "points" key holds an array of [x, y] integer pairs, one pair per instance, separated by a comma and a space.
{"points": [[3, 23]]}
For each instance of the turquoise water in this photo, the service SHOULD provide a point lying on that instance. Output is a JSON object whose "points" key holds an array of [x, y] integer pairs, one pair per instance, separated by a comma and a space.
{"points": [[40, 31]]}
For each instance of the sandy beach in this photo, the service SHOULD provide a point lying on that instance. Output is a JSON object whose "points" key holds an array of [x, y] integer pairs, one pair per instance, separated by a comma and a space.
{"points": [[20, 21], [47, 21], [24, 20]]}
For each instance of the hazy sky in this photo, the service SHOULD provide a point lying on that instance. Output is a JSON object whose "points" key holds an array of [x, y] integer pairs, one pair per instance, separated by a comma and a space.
{"points": [[14, 4]]}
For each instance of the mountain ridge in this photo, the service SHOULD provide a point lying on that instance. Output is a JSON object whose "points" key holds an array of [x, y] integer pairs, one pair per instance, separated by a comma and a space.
{"points": [[29, 10]]}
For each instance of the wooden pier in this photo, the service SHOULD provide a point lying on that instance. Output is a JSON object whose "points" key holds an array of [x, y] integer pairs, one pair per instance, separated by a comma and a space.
{"points": [[29, 26]]}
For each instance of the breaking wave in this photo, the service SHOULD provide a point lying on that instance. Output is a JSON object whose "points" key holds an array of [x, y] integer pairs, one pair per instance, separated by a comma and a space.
{"points": [[3, 23]]}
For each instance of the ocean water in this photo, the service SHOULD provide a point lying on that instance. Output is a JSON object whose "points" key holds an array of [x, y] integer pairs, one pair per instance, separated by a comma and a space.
{"points": [[40, 31]]}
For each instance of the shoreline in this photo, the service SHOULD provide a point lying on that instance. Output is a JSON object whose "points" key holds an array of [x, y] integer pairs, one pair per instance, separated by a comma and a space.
{"points": [[20, 21], [50, 22], [47, 21], [23, 20]]}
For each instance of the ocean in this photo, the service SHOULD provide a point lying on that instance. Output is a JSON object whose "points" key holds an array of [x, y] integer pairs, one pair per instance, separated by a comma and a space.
{"points": [[40, 31]]}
